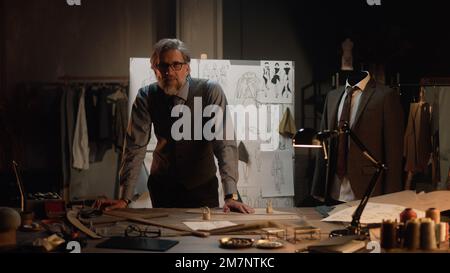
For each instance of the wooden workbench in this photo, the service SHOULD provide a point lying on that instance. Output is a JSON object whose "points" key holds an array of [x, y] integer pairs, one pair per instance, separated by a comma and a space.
{"points": [[191, 244]]}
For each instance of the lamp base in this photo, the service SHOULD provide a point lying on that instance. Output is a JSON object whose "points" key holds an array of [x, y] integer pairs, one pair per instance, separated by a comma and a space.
{"points": [[350, 231]]}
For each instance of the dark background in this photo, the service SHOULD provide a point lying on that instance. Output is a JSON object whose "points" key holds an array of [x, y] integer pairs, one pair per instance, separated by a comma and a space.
{"points": [[410, 37]]}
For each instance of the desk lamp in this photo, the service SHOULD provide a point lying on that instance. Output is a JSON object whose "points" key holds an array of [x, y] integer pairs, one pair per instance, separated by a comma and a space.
{"points": [[309, 138]]}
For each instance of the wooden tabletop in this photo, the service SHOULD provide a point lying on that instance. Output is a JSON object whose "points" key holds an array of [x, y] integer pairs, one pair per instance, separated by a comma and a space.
{"points": [[192, 244]]}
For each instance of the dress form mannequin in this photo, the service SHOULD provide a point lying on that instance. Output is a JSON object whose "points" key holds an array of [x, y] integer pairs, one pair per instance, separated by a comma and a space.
{"points": [[355, 77]]}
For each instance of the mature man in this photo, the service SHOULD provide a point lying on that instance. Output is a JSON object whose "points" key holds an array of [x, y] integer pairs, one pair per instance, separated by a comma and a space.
{"points": [[183, 172]]}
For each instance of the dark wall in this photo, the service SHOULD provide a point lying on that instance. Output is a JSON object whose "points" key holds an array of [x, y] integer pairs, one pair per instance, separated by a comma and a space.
{"points": [[2, 46], [42, 40], [46, 39], [165, 18], [266, 30], [5, 152], [409, 37]]}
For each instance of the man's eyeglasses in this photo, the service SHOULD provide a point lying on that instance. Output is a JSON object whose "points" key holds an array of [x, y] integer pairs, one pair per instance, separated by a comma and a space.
{"points": [[176, 66], [136, 231]]}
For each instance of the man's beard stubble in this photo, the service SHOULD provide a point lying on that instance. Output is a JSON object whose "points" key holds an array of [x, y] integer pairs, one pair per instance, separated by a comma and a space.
{"points": [[171, 86]]}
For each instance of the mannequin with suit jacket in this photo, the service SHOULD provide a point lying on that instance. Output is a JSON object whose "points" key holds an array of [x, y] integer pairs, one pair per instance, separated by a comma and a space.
{"points": [[376, 117]]}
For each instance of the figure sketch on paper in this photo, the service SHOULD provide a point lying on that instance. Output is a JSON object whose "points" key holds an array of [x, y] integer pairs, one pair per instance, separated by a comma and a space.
{"points": [[277, 172], [258, 159], [276, 80], [247, 86], [216, 72], [282, 143], [266, 74], [286, 92]]}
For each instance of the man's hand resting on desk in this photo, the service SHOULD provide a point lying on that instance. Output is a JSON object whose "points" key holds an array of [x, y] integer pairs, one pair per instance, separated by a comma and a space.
{"points": [[233, 205], [108, 204]]}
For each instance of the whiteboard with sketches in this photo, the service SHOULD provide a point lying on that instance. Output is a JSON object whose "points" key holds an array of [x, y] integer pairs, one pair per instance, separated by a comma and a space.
{"points": [[269, 173]]}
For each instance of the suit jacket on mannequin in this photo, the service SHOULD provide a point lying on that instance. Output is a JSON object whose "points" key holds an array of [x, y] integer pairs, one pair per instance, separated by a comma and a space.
{"points": [[379, 125]]}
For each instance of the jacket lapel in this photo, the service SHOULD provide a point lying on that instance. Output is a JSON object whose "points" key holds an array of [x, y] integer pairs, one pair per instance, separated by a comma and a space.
{"points": [[334, 104], [365, 97]]}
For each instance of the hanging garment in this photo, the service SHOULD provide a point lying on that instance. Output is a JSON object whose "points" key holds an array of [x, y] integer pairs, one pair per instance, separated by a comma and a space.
{"points": [[439, 98], [120, 117], [80, 148], [417, 139], [69, 110], [432, 97], [99, 122], [444, 134], [287, 125]]}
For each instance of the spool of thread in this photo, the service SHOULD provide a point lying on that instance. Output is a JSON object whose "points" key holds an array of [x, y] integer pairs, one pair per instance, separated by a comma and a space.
{"points": [[27, 218], [269, 208], [400, 234], [441, 232], [388, 234], [427, 234], [434, 214], [206, 214], [9, 223], [407, 214], [447, 231], [412, 234]]}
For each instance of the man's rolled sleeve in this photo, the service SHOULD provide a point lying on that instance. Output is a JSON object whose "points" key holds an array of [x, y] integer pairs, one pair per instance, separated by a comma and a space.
{"points": [[135, 146]]}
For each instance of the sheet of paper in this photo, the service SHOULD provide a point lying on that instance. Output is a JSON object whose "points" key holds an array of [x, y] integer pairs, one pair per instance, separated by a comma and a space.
{"points": [[209, 225], [410, 199], [435, 199], [372, 214], [277, 175]]}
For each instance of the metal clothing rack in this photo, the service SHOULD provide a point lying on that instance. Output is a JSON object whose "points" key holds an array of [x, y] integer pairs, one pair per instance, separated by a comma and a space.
{"points": [[82, 80], [430, 82], [95, 79]]}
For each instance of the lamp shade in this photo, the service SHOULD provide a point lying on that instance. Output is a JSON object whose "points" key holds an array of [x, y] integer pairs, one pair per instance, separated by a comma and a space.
{"points": [[306, 138]]}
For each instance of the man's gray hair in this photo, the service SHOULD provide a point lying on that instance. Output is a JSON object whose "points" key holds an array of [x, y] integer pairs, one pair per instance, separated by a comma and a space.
{"points": [[164, 45]]}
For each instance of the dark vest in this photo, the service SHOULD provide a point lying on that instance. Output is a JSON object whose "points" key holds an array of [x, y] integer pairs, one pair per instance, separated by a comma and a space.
{"points": [[188, 162]]}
